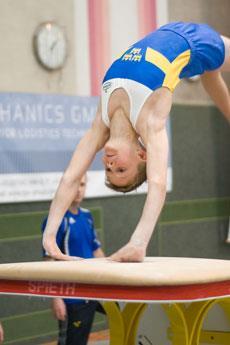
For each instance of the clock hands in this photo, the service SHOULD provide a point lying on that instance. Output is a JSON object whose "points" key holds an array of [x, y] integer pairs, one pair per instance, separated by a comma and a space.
{"points": [[53, 45]]}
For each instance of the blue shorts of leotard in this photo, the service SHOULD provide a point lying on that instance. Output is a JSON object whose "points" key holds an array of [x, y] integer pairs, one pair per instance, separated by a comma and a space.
{"points": [[174, 51], [207, 47]]}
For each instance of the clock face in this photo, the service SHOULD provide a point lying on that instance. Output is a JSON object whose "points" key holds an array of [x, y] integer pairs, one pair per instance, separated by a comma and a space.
{"points": [[50, 46]]}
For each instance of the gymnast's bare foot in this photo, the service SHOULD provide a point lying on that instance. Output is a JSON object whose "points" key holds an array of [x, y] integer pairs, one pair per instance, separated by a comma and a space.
{"points": [[129, 253]]}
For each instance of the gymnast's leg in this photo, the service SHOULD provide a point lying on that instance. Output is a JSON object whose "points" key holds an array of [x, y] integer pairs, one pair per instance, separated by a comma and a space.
{"points": [[215, 85], [226, 65]]}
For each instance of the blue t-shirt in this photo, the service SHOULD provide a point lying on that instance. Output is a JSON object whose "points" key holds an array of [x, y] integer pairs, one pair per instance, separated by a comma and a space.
{"points": [[76, 236]]}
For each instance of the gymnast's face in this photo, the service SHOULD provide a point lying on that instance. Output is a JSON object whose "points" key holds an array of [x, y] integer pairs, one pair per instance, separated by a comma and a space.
{"points": [[121, 163]]}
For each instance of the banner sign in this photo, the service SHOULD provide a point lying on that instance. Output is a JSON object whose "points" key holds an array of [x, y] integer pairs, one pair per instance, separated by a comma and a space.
{"points": [[38, 134]]}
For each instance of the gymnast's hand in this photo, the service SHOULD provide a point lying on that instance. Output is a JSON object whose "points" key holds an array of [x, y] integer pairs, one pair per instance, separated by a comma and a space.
{"points": [[130, 253], [52, 250], [59, 309]]}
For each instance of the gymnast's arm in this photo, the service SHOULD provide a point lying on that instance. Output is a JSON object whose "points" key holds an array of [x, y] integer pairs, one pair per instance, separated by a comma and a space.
{"points": [[217, 89], [157, 159], [90, 144], [157, 153]]}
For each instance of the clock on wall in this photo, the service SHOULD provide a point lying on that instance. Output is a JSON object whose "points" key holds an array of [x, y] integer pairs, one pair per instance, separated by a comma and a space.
{"points": [[50, 45]]}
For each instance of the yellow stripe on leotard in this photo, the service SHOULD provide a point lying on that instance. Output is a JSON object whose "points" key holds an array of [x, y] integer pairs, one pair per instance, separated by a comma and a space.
{"points": [[171, 69]]}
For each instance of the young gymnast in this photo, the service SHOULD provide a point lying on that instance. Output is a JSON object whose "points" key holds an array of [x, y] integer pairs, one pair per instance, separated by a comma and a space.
{"points": [[130, 123]]}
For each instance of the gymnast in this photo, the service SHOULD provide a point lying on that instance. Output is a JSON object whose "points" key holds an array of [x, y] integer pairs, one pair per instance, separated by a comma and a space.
{"points": [[130, 123]]}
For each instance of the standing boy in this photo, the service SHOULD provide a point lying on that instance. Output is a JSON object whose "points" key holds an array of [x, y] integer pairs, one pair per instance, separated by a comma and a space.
{"points": [[76, 237]]}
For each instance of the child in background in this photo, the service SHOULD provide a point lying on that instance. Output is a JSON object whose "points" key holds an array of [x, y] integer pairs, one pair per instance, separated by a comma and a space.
{"points": [[76, 237]]}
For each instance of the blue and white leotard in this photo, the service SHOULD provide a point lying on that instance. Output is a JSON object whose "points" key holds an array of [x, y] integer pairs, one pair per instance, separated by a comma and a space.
{"points": [[161, 59]]}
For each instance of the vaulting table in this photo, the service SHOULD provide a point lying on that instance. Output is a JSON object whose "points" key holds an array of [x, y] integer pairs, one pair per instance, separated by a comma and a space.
{"points": [[186, 288]]}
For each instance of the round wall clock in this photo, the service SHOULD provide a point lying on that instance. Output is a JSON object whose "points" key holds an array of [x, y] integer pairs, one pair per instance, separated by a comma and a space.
{"points": [[50, 46]]}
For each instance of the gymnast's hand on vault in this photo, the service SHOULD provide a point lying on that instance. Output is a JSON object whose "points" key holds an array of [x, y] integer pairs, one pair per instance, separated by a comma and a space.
{"points": [[129, 253], [53, 251]]}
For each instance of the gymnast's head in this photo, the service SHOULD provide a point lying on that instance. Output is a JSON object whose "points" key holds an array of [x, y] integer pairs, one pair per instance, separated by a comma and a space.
{"points": [[125, 165]]}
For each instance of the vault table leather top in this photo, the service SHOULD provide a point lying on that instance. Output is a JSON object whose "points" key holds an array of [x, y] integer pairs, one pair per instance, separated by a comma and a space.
{"points": [[154, 271]]}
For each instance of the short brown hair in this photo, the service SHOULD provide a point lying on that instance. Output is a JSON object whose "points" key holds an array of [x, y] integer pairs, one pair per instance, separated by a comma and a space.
{"points": [[140, 178]]}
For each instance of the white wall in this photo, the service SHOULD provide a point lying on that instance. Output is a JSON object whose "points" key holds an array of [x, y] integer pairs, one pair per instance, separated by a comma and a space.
{"points": [[19, 70]]}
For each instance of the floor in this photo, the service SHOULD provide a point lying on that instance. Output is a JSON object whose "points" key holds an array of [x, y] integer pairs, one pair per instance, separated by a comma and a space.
{"points": [[99, 338]]}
